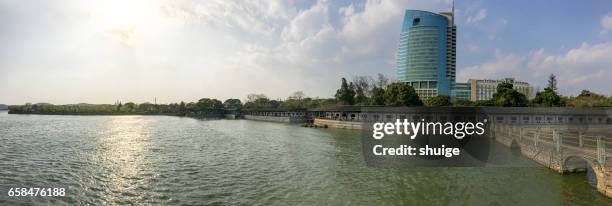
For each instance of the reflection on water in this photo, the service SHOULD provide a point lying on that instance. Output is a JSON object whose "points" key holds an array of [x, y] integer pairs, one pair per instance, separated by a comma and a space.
{"points": [[123, 143], [155, 160]]}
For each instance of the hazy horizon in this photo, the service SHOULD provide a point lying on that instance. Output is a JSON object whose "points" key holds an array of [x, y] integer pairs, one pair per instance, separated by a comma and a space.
{"points": [[68, 52]]}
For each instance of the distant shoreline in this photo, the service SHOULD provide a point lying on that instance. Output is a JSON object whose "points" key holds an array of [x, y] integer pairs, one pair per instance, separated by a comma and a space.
{"points": [[117, 114]]}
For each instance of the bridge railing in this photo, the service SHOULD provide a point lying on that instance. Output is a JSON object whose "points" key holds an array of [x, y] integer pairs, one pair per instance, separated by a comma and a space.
{"points": [[595, 143]]}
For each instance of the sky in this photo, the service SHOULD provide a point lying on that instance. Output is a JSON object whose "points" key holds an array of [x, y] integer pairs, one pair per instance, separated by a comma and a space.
{"points": [[73, 51]]}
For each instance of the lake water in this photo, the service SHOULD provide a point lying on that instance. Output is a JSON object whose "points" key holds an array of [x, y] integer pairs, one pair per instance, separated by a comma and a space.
{"points": [[175, 160]]}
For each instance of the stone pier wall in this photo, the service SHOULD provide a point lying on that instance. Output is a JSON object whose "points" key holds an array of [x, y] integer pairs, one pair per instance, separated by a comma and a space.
{"points": [[339, 124], [545, 153], [276, 119], [604, 178]]}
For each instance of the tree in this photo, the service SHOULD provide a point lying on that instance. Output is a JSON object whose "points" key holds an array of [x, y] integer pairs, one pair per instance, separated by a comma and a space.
{"points": [[360, 97], [232, 104], [255, 97], [401, 94], [547, 98], [311, 103], [191, 107], [462, 103], [346, 94], [298, 95], [362, 89], [587, 98], [130, 106], [552, 83], [146, 107], [586, 93], [291, 103], [382, 81], [328, 102], [259, 101], [273, 104], [378, 96], [209, 104], [506, 96], [182, 107], [297, 100], [484, 103], [439, 101]]}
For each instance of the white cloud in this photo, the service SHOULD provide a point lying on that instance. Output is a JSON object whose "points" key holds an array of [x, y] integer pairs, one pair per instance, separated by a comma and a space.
{"points": [[606, 23], [184, 50], [479, 16], [473, 47], [493, 29], [307, 23], [502, 65], [373, 32], [347, 11], [585, 67]]}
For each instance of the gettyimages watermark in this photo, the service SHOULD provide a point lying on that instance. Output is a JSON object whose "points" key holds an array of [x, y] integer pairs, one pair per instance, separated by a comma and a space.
{"points": [[461, 136], [458, 130]]}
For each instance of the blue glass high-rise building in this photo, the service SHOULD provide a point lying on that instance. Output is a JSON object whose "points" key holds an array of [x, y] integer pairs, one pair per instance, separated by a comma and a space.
{"points": [[426, 57]]}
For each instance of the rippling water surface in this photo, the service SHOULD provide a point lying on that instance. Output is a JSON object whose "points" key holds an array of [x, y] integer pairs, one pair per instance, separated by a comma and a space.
{"points": [[174, 160]]}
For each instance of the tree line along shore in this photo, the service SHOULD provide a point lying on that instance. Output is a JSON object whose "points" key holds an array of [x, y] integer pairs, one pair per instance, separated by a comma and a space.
{"points": [[362, 91]]}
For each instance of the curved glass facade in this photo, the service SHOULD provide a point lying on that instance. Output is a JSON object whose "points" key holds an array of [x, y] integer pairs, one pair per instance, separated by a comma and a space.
{"points": [[422, 56]]}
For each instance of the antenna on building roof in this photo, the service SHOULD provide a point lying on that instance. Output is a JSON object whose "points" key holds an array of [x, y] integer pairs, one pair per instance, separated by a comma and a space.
{"points": [[453, 14]]}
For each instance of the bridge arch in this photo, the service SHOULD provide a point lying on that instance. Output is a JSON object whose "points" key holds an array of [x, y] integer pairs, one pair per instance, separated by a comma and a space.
{"points": [[577, 163], [515, 147]]}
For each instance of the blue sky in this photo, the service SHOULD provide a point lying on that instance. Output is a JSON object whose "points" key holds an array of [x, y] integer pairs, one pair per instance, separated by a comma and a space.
{"points": [[531, 38], [554, 26], [72, 51]]}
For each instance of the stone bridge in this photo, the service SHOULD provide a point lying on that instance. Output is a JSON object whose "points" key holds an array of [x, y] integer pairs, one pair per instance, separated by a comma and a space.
{"points": [[562, 148], [563, 139]]}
